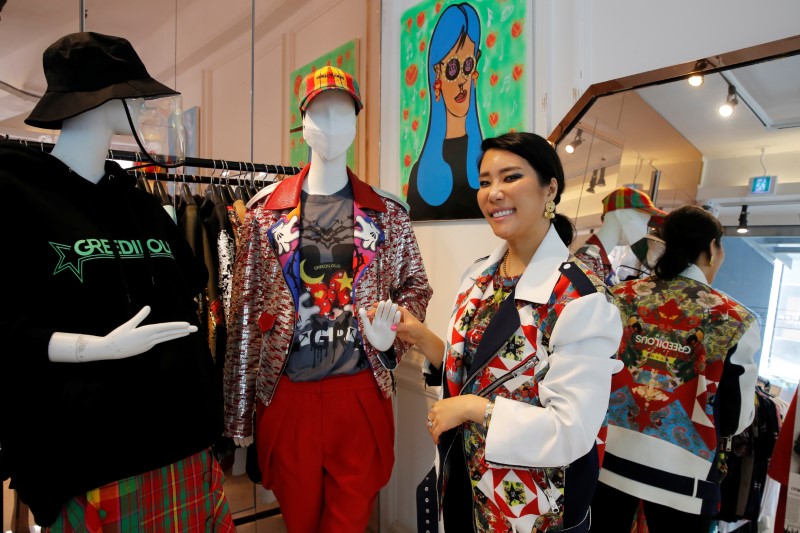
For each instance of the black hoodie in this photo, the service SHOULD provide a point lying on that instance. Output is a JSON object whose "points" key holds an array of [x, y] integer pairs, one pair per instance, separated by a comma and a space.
{"points": [[85, 258]]}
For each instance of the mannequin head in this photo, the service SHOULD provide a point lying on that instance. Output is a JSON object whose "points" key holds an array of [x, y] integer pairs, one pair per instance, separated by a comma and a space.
{"points": [[108, 117], [85, 138], [626, 213], [633, 224], [88, 75], [85, 70], [329, 124]]}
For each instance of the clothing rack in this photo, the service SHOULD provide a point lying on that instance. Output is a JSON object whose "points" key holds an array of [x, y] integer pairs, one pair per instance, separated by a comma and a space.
{"points": [[213, 164]]}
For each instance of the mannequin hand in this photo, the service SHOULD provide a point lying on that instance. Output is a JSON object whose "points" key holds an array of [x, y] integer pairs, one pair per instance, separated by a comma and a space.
{"points": [[379, 332], [368, 233], [125, 341], [243, 442], [286, 233]]}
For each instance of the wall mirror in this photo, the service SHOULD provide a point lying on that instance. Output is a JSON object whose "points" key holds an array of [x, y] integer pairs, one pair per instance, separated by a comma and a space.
{"points": [[659, 133]]}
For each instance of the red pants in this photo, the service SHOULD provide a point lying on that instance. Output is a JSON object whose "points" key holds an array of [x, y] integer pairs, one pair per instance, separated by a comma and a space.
{"points": [[326, 448]]}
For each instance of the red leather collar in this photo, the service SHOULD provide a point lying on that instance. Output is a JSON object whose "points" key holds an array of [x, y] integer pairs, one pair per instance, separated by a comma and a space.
{"points": [[287, 194]]}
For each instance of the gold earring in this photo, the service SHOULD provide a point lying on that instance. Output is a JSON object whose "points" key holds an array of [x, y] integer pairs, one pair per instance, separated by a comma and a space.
{"points": [[711, 262], [550, 210]]}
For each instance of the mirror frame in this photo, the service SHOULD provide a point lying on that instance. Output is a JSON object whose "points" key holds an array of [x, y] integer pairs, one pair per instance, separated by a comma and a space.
{"points": [[739, 58]]}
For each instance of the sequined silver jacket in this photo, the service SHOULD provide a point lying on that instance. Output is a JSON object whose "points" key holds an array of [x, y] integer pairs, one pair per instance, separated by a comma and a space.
{"points": [[263, 311]]}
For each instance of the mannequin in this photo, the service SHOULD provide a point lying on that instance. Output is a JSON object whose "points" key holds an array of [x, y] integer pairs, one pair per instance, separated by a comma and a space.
{"points": [[105, 279], [622, 227], [330, 244], [82, 145], [329, 128], [626, 215]]}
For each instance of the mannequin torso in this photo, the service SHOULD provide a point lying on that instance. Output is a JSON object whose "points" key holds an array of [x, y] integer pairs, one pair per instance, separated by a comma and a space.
{"points": [[82, 146]]}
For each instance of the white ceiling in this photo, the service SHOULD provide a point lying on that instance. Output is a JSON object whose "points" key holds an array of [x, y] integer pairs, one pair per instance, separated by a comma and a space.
{"points": [[771, 86], [677, 129], [764, 123]]}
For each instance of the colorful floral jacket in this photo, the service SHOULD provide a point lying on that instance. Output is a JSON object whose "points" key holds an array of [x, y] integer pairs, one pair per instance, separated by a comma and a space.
{"points": [[548, 374], [689, 378], [266, 281]]}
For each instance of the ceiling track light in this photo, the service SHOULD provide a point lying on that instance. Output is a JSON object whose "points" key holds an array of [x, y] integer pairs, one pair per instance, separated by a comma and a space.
{"points": [[601, 180], [696, 78], [592, 182], [731, 100], [577, 141], [742, 221]]}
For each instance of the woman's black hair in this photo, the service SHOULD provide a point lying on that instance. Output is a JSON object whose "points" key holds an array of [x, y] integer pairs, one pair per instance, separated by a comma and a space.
{"points": [[544, 160], [687, 232]]}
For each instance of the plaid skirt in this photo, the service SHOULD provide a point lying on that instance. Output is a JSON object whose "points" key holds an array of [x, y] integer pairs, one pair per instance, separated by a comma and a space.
{"points": [[183, 496]]}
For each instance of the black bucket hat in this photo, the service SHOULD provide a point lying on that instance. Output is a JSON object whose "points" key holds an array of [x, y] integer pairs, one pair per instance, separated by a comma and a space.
{"points": [[85, 70]]}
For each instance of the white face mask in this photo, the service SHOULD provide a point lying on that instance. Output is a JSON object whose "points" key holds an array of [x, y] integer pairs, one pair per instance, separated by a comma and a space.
{"points": [[329, 125], [634, 225]]}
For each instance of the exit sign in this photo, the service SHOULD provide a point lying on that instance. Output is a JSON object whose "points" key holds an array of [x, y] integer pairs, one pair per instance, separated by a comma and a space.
{"points": [[762, 185]]}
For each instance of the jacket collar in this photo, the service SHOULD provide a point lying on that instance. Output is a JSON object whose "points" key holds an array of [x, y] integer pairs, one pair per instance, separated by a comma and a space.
{"points": [[693, 272], [286, 194], [541, 275], [595, 240]]}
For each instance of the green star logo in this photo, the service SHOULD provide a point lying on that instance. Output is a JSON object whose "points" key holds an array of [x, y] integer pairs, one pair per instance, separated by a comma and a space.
{"points": [[64, 263]]}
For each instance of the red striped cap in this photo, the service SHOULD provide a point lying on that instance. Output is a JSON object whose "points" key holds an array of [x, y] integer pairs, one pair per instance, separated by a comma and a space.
{"points": [[325, 79], [627, 198]]}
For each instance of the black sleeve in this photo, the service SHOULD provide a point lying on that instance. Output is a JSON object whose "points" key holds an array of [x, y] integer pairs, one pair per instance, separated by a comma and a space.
{"points": [[433, 376], [729, 397]]}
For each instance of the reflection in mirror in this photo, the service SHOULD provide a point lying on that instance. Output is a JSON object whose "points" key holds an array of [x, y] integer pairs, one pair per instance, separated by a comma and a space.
{"points": [[627, 144], [666, 137]]}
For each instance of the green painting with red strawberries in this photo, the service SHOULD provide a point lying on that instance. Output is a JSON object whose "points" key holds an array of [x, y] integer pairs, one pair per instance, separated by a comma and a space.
{"points": [[463, 78], [344, 57]]}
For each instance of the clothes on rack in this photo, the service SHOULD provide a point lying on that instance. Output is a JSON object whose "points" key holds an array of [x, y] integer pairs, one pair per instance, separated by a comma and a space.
{"points": [[211, 225], [786, 463], [747, 459], [216, 164]]}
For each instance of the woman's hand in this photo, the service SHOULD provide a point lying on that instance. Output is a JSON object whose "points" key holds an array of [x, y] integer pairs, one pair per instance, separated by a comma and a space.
{"points": [[451, 412], [410, 330]]}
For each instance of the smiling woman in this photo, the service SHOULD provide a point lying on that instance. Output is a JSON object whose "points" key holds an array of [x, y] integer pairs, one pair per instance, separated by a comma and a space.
{"points": [[526, 366]]}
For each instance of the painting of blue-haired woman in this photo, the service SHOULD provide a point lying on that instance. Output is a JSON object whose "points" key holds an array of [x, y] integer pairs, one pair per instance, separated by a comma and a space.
{"points": [[443, 182]]}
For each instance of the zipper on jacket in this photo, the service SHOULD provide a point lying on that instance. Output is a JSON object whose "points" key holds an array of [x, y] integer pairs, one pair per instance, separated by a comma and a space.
{"points": [[515, 372]]}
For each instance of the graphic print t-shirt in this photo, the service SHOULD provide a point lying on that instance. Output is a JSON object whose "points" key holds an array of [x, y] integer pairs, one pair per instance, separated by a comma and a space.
{"points": [[326, 340]]}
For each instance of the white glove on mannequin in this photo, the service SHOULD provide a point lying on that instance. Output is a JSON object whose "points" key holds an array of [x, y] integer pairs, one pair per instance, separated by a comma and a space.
{"points": [[125, 341], [379, 332]]}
